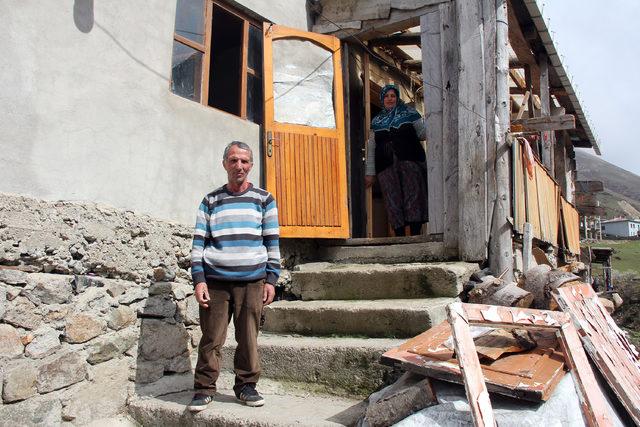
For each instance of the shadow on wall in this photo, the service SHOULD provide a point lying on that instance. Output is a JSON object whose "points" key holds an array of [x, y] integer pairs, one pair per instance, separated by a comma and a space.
{"points": [[168, 334], [83, 15]]}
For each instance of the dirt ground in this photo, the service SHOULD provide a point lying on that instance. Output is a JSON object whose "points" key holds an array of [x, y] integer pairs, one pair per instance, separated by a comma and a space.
{"points": [[628, 316]]}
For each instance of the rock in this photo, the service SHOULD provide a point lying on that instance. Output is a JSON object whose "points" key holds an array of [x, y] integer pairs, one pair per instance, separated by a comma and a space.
{"points": [[115, 288], [159, 306], [111, 345], [148, 372], [13, 292], [133, 294], [104, 397], [19, 381], [10, 343], [163, 274], [617, 300], [22, 313], [82, 282], [608, 305], [3, 301], [181, 290], [41, 411], [179, 364], [46, 340], [61, 371], [160, 288], [13, 277], [95, 299], [196, 335], [82, 327], [477, 276], [44, 288], [409, 394], [160, 340], [121, 317], [190, 313], [56, 312]]}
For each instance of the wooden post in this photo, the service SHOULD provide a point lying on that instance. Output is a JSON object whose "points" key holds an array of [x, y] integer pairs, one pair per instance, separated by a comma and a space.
{"points": [[450, 105], [527, 243], [430, 37], [545, 110], [500, 242], [472, 118]]}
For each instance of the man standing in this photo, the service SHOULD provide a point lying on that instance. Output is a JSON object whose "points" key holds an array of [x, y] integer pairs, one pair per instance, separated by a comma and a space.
{"points": [[235, 263]]}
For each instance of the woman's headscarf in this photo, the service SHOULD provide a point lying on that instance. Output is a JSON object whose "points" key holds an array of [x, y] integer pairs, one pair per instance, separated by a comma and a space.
{"points": [[395, 117]]}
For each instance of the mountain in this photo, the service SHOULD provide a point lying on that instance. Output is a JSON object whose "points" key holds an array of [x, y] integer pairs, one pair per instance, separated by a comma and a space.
{"points": [[622, 188]]}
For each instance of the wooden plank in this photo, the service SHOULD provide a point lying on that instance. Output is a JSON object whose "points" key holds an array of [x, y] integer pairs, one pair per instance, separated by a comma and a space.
{"points": [[527, 244], [545, 110], [589, 186], [475, 387], [472, 123], [608, 346], [571, 226], [208, 23], [432, 77], [548, 123], [533, 206], [243, 69], [450, 55], [519, 196], [592, 401], [498, 150]]}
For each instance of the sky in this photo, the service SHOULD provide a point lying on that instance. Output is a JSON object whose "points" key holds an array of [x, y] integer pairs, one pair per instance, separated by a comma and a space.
{"points": [[600, 47]]}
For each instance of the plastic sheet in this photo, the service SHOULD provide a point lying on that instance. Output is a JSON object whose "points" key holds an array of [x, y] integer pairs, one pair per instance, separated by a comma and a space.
{"points": [[303, 84]]}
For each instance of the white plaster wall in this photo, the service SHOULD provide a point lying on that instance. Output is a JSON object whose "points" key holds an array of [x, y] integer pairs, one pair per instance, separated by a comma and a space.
{"points": [[291, 13], [89, 115], [620, 229]]}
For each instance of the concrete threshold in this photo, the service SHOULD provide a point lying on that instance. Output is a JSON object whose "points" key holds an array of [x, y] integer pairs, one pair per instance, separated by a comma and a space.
{"points": [[279, 410]]}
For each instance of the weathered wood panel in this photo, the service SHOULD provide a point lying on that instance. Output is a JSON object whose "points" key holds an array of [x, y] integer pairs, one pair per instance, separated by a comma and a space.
{"points": [[571, 226], [520, 205], [450, 55], [432, 77], [533, 206], [472, 125]]}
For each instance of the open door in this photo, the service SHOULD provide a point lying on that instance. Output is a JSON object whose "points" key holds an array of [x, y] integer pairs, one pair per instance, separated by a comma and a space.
{"points": [[305, 156]]}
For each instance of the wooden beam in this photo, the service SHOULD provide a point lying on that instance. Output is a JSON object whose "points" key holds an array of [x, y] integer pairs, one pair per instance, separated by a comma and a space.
{"points": [[474, 385], [548, 123], [413, 65], [518, 79], [432, 76], [545, 110], [472, 124], [404, 39]]}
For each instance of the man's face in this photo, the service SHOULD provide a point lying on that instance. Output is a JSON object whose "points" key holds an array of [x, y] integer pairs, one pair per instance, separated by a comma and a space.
{"points": [[237, 164]]}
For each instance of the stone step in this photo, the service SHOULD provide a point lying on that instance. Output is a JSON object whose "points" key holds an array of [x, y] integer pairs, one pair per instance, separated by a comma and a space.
{"points": [[279, 410], [385, 254], [399, 318], [327, 281], [338, 366]]}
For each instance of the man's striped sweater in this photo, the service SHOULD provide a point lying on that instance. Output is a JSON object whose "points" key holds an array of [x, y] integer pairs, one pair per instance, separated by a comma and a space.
{"points": [[236, 237]]}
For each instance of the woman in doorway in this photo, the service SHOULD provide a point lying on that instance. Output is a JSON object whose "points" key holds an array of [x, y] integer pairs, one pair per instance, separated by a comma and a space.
{"points": [[396, 158]]}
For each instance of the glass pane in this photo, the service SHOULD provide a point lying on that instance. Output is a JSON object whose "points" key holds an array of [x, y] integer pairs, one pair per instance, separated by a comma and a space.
{"points": [[303, 83], [254, 98], [190, 19], [186, 71], [255, 49]]}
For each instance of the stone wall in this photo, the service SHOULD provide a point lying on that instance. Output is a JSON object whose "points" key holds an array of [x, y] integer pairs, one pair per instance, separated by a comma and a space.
{"points": [[96, 304]]}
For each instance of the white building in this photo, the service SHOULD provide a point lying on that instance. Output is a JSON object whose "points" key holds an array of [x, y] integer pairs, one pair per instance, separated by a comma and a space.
{"points": [[621, 227]]}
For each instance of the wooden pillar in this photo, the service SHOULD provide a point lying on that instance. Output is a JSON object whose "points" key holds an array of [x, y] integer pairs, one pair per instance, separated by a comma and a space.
{"points": [[501, 243], [430, 37], [545, 110], [440, 75], [472, 125]]}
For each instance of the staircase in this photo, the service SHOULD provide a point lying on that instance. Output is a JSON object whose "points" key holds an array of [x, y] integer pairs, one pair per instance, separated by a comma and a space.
{"points": [[323, 350]]}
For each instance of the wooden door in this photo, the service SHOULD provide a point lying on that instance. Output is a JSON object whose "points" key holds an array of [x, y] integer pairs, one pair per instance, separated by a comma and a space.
{"points": [[305, 156]]}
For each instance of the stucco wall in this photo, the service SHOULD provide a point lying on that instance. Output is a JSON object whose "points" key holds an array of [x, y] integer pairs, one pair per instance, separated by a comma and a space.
{"points": [[87, 111]]}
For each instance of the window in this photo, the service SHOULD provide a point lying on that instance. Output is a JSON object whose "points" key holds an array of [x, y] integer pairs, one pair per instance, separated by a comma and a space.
{"points": [[217, 58]]}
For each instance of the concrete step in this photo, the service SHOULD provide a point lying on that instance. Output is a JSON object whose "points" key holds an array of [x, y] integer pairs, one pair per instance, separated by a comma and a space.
{"points": [[279, 410], [339, 366], [385, 254], [327, 281], [399, 318]]}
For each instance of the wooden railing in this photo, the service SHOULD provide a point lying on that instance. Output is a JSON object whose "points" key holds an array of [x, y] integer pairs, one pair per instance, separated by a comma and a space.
{"points": [[537, 200]]}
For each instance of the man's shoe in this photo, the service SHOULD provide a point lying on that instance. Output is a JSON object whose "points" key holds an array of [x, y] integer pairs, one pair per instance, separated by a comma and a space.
{"points": [[249, 396], [199, 402]]}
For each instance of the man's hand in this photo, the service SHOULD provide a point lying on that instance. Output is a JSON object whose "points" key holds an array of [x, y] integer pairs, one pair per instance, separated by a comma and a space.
{"points": [[369, 180], [202, 294], [268, 294]]}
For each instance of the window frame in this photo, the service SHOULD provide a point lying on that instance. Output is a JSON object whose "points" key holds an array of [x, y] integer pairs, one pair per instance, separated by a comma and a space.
{"points": [[205, 49]]}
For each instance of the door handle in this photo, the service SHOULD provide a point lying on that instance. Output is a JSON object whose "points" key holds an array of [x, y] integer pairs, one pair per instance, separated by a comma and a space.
{"points": [[269, 144]]}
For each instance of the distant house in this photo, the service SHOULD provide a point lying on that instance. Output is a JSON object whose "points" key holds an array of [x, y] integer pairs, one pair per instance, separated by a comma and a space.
{"points": [[621, 227]]}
